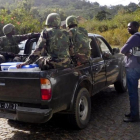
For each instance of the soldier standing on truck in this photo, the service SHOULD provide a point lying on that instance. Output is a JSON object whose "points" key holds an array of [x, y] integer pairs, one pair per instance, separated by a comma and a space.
{"points": [[80, 49], [55, 41], [9, 43]]}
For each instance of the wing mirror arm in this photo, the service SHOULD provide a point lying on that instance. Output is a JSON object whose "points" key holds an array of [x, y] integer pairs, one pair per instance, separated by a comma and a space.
{"points": [[116, 50]]}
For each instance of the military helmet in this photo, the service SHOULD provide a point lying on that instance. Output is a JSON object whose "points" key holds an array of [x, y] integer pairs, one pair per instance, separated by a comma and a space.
{"points": [[8, 28], [53, 20], [71, 20]]}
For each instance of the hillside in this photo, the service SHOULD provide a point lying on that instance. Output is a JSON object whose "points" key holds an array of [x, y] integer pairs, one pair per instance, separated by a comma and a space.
{"points": [[76, 7], [110, 22]]}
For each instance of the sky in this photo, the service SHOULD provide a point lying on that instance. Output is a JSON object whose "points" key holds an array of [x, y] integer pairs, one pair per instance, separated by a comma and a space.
{"points": [[115, 2]]}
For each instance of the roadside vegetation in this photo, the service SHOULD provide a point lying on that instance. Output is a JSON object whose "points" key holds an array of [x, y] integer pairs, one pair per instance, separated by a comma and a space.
{"points": [[114, 30], [110, 22]]}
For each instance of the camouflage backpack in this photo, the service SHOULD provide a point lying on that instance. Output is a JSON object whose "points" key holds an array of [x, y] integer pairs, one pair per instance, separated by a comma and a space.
{"points": [[81, 43], [57, 43]]}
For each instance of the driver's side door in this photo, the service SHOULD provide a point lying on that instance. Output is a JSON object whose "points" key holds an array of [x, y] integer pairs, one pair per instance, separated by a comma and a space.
{"points": [[111, 61]]}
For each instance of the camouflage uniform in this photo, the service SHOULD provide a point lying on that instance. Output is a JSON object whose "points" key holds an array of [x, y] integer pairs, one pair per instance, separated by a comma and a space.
{"points": [[10, 44], [55, 41], [80, 43]]}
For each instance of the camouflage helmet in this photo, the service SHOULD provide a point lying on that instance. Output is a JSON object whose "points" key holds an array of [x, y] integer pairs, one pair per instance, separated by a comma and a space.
{"points": [[8, 28], [53, 20], [71, 20]]}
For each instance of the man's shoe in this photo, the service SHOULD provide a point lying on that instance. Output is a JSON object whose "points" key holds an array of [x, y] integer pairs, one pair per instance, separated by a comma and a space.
{"points": [[129, 119], [128, 115]]}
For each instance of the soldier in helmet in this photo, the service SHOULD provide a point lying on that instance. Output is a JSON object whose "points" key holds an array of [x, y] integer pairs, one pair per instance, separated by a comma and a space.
{"points": [[9, 42], [55, 41], [80, 49]]}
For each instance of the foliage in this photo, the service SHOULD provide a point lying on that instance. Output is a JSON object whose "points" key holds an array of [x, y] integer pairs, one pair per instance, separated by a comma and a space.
{"points": [[23, 21], [115, 30], [30, 15], [102, 15], [82, 8]]}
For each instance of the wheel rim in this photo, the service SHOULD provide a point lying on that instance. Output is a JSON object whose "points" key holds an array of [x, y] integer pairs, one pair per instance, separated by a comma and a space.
{"points": [[83, 108], [124, 79]]}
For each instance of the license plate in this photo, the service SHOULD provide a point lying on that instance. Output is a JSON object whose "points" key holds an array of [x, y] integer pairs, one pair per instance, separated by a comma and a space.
{"points": [[8, 106]]}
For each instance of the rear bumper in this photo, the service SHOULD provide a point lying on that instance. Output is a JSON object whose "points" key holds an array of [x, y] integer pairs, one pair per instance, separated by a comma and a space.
{"points": [[26, 114]]}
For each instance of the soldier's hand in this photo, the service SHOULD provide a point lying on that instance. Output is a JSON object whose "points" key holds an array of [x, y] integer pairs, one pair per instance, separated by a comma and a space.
{"points": [[20, 65]]}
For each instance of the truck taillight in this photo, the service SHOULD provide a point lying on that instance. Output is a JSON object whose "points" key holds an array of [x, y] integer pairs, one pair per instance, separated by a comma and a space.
{"points": [[46, 92]]}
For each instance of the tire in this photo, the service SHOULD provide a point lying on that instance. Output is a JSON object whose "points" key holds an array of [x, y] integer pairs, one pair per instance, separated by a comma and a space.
{"points": [[82, 110], [121, 85]]}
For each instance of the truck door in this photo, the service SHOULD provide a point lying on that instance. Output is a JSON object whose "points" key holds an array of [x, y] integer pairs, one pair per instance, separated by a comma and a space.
{"points": [[98, 68], [111, 62]]}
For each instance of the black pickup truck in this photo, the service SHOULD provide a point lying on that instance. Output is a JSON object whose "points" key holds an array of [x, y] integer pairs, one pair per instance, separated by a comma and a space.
{"points": [[35, 96]]}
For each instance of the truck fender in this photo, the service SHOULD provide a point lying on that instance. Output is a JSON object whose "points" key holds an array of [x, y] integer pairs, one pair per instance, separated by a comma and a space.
{"points": [[84, 81]]}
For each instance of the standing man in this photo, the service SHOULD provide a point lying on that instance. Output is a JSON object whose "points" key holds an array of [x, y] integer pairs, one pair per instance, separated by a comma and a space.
{"points": [[9, 42], [55, 41], [80, 49], [132, 71]]}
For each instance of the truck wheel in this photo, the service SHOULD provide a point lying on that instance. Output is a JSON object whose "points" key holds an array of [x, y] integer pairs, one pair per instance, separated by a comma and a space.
{"points": [[82, 109], [121, 85]]}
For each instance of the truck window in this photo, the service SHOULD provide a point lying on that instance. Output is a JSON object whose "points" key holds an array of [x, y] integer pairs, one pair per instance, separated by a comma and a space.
{"points": [[95, 52], [102, 45], [22, 46], [106, 53]]}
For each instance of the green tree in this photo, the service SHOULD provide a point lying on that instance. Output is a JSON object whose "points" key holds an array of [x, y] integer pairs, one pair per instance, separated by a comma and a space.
{"points": [[102, 15]]}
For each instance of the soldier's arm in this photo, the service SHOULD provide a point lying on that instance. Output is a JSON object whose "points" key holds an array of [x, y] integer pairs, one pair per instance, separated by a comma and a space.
{"points": [[20, 38], [71, 45]]}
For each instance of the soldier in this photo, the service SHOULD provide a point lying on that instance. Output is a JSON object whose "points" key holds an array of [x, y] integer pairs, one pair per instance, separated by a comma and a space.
{"points": [[9, 43], [55, 41], [80, 49]]}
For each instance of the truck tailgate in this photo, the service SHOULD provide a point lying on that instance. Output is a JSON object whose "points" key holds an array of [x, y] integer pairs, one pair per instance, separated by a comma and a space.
{"points": [[20, 87]]}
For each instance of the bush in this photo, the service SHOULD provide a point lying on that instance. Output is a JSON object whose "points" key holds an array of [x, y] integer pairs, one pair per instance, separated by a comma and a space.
{"points": [[23, 21], [115, 30]]}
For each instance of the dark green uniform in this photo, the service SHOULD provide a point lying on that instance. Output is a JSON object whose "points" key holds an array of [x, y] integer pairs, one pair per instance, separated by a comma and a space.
{"points": [[80, 44], [55, 41], [10, 45], [80, 49]]}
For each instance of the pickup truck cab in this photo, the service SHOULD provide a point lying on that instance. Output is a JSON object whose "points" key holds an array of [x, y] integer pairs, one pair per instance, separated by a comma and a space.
{"points": [[35, 96]]}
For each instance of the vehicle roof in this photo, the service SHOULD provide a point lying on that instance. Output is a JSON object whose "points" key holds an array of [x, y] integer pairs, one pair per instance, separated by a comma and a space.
{"points": [[92, 34]]}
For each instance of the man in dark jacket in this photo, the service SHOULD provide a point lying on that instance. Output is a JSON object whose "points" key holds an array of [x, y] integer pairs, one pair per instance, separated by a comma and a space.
{"points": [[132, 71]]}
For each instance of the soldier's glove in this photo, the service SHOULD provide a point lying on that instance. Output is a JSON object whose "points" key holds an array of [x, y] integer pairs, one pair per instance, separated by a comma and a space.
{"points": [[42, 62]]}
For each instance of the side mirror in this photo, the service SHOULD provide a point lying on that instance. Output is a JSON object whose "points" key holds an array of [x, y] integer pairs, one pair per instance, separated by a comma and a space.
{"points": [[107, 55], [115, 50]]}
